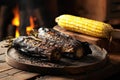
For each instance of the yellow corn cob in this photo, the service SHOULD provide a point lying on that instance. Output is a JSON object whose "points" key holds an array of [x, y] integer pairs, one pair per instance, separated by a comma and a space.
{"points": [[84, 25]]}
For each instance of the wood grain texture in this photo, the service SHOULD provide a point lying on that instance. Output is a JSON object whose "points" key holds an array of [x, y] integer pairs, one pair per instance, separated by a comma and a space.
{"points": [[110, 46], [87, 63], [103, 43], [9, 73]]}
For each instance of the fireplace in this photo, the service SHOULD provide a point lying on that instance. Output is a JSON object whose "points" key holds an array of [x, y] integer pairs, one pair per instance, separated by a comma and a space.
{"points": [[19, 17], [37, 13]]}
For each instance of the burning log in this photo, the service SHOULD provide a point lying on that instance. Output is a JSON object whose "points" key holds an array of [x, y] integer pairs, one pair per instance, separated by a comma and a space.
{"points": [[24, 16], [28, 9], [11, 30], [5, 19], [6, 16], [38, 19], [37, 9], [2, 19], [24, 22]]}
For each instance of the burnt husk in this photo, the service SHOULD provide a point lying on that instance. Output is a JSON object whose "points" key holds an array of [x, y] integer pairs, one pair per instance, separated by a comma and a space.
{"points": [[69, 44], [36, 48], [50, 45]]}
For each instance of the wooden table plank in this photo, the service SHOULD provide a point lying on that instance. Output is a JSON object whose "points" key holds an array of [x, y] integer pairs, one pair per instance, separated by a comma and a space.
{"points": [[3, 49], [4, 67], [2, 58], [9, 73], [101, 74], [115, 57], [102, 42], [22, 75]]}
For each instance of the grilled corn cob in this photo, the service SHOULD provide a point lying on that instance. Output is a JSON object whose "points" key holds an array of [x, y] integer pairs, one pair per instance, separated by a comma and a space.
{"points": [[84, 25]]}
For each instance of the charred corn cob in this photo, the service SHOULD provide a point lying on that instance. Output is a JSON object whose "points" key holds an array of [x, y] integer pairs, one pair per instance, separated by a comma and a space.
{"points": [[70, 47], [34, 47], [84, 25]]}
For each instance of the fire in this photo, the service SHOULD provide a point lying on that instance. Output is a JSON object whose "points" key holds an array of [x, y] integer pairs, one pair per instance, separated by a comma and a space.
{"points": [[16, 18], [16, 22], [29, 28], [17, 33]]}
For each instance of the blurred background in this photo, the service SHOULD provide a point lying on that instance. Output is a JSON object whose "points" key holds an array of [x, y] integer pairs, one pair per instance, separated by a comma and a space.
{"points": [[18, 17]]}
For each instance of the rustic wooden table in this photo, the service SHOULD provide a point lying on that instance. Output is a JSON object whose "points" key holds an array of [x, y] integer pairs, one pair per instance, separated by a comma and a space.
{"points": [[9, 73]]}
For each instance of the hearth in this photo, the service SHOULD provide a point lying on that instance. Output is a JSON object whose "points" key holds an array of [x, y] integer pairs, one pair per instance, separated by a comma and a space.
{"points": [[21, 16]]}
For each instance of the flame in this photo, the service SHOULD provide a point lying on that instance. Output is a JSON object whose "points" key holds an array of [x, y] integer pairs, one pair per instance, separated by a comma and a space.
{"points": [[29, 28], [16, 22], [17, 33], [16, 18]]}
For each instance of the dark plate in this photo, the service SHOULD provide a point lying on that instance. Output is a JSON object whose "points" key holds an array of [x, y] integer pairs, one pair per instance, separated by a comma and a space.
{"points": [[87, 63]]}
